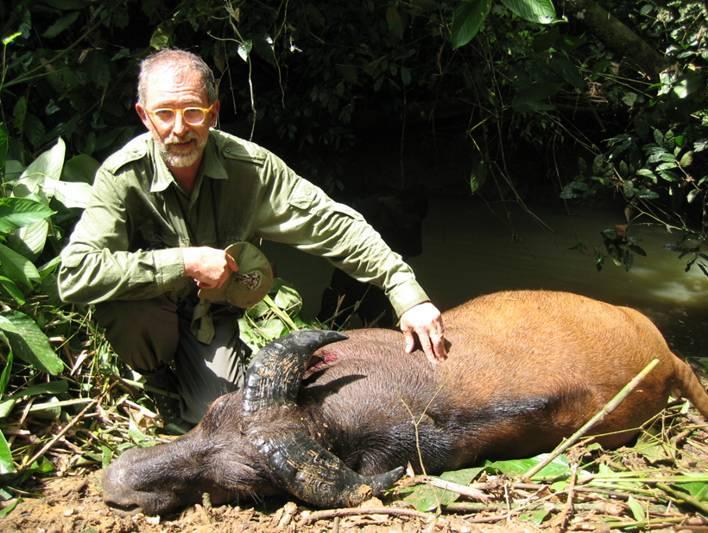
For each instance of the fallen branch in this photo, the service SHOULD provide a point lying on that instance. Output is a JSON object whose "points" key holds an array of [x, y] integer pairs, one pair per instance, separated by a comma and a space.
{"points": [[59, 435], [598, 417], [568, 510], [470, 492], [309, 518]]}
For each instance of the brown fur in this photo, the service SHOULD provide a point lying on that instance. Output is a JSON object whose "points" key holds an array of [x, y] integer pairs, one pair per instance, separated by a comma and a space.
{"points": [[525, 370]]}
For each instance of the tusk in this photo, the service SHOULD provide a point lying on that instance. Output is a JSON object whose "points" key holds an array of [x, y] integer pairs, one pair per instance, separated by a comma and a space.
{"points": [[316, 476], [275, 374]]}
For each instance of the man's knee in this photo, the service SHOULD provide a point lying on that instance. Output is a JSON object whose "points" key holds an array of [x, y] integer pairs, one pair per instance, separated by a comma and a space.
{"points": [[144, 333]]}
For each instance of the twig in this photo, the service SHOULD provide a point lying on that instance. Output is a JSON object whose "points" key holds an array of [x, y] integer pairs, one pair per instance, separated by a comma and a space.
{"points": [[568, 507], [334, 513], [599, 416], [59, 435], [684, 497], [463, 490]]}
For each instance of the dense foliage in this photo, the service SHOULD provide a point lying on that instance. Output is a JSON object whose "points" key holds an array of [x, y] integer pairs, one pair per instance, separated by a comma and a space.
{"points": [[588, 119]]}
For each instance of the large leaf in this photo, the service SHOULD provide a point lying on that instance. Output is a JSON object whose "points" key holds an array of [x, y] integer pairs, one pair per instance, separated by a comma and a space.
{"points": [[6, 465], [467, 21], [11, 288], [31, 344], [426, 498], [18, 212], [539, 11], [60, 25], [81, 168], [5, 376], [517, 467], [17, 267], [72, 194], [46, 168], [30, 240]]}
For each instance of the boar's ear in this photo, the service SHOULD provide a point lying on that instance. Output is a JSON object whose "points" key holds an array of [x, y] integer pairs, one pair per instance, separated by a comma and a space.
{"points": [[316, 476], [275, 374]]}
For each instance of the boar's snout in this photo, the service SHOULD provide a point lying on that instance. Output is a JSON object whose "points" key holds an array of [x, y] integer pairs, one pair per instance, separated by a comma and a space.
{"points": [[126, 488]]}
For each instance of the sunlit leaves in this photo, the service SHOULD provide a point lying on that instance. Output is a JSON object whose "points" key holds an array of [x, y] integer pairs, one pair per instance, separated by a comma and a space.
{"points": [[18, 212], [6, 464], [538, 11], [30, 344]]}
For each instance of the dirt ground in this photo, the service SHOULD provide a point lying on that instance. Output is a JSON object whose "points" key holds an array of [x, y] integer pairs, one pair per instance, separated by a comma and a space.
{"points": [[74, 504]]}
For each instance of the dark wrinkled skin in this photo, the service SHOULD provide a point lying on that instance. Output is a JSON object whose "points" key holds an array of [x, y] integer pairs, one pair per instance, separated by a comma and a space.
{"points": [[525, 370]]}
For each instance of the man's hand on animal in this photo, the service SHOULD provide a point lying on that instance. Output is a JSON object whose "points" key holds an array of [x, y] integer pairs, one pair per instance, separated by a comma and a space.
{"points": [[208, 267], [424, 323]]}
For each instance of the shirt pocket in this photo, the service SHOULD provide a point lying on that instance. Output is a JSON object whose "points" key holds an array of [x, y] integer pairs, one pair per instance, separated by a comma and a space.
{"points": [[151, 235]]}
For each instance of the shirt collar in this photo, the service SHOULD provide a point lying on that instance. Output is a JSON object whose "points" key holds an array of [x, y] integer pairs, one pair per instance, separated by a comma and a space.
{"points": [[211, 166]]}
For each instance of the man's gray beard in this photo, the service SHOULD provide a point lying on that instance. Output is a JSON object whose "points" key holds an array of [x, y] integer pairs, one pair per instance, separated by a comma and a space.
{"points": [[182, 160]]}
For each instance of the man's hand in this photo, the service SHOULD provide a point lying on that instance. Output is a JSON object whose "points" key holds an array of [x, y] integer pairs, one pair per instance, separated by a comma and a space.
{"points": [[209, 267], [425, 322]]}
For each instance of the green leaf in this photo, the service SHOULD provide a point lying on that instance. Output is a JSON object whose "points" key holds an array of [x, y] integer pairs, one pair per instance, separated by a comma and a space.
{"points": [[288, 299], [6, 464], [425, 498], [19, 112], [244, 50], [3, 149], [72, 194], [468, 20], [6, 407], [12, 289], [637, 509], [18, 212], [394, 21], [686, 159], [61, 24], [651, 447], [535, 517], [9, 508], [538, 11], [80, 168], [30, 240], [39, 175], [106, 456], [697, 489], [17, 267], [52, 388], [10, 38], [31, 345], [162, 37], [5, 376], [516, 467]]}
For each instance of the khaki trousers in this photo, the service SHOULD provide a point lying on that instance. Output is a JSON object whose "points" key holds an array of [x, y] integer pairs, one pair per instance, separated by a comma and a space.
{"points": [[148, 334]]}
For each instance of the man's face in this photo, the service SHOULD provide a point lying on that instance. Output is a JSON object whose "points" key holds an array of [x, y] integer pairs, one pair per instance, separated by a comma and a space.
{"points": [[177, 88]]}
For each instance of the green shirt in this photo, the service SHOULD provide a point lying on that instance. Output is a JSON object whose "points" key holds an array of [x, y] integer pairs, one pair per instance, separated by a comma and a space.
{"points": [[126, 246]]}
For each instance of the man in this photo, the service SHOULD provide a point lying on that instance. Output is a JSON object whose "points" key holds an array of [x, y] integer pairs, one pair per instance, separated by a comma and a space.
{"points": [[167, 205]]}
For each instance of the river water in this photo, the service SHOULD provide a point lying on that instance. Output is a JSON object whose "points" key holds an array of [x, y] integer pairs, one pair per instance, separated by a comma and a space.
{"points": [[470, 249]]}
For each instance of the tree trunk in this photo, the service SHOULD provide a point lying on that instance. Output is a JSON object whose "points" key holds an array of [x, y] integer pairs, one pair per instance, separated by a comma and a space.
{"points": [[617, 36]]}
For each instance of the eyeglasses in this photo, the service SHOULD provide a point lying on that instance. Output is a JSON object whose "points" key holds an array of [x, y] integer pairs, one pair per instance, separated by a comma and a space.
{"points": [[194, 116]]}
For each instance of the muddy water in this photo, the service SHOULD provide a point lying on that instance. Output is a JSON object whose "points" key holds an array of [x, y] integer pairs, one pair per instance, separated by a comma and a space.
{"points": [[469, 250]]}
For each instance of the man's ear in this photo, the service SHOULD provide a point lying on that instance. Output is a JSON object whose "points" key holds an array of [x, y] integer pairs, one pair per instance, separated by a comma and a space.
{"points": [[142, 113], [215, 114]]}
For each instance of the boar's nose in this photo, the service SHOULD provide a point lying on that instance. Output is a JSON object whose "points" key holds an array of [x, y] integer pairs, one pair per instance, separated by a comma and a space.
{"points": [[123, 488]]}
